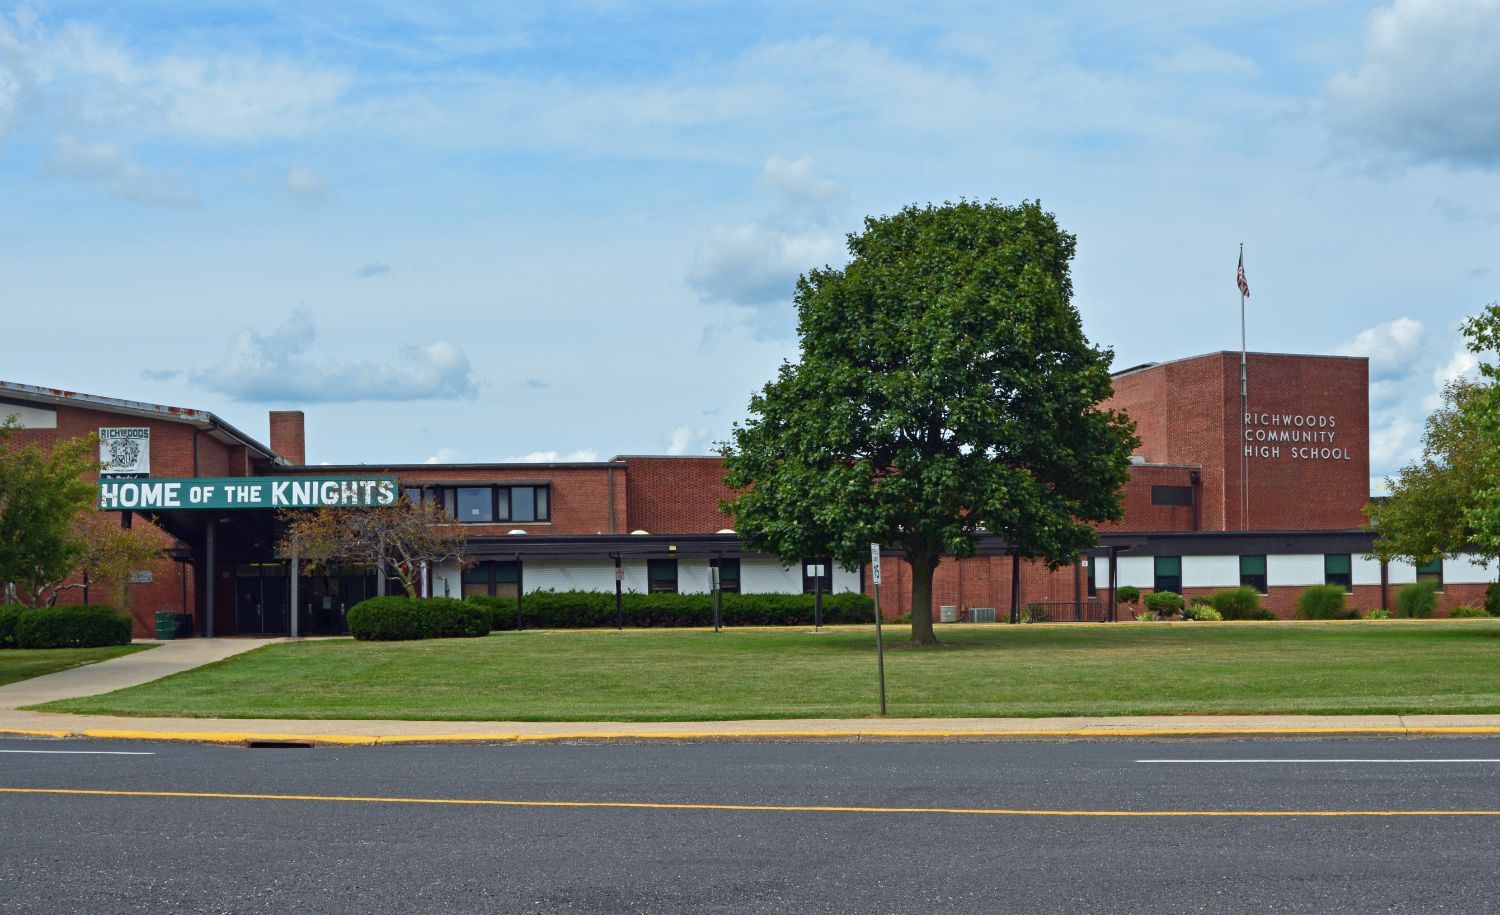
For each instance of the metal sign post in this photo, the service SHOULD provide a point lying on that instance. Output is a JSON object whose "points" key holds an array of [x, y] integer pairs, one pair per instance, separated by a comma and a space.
{"points": [[713, 573], [879, 640], [817, 571], [619, 602]]}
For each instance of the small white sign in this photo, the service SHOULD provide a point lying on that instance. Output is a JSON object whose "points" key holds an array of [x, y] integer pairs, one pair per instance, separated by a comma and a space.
{"points": [[142, 577], [875, 563], [124, 452], [815, 571]]}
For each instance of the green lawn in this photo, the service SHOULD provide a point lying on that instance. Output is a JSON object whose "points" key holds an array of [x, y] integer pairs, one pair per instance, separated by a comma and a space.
{"points": [[661, 675], [25, 663]]}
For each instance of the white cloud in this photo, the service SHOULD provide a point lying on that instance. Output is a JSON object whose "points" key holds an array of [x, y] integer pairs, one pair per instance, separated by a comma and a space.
{"points": [[373, 269], [301, 182], [1395, 442], [684, 439], [1395, 348], [108, 165], [756, 264], [1429, 83], [445, 456], [581, 456], [1204, 60], [285, 365]]}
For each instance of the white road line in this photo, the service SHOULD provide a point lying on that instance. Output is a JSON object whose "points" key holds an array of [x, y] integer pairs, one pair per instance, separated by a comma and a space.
{"points": [[1318, 760], [85, 752]]}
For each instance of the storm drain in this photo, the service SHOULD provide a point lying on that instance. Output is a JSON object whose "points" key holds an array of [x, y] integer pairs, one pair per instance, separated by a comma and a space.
{"points": [[279, 744]]}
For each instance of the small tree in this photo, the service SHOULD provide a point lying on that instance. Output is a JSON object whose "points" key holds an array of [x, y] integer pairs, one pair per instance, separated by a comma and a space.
{"points": [[106, 555], [1481, 419], [399, 537], [945, 392], [42, 493]]}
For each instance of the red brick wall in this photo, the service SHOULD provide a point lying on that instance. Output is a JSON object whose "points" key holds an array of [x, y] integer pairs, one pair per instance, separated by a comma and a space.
{"points": [[1141, 515], [677, 495], [579, 495], [1187, 412], [288, 435]]}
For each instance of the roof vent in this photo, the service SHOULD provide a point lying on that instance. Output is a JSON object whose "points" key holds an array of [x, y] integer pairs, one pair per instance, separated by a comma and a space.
{"points": [[515, 531], [725, 530], [638, 533], [1137, 459]]}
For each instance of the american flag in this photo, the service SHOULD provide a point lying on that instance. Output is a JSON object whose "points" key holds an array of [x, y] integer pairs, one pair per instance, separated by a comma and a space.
{"points": [[1239, 275]]}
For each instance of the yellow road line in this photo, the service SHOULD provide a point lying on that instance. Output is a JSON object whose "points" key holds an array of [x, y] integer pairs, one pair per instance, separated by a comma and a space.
{"points": [[745, 808], [912, 734]]}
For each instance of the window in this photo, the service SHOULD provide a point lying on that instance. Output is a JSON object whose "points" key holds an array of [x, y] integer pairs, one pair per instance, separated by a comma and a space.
{"points": [[1253, 573], [1168, 574], [475, 504], [1090, 570], [1171, 495], [1336, 570], [489, 504], [492, 579], [729, 574], [817, 575], [1431, 571], [661, 576]]}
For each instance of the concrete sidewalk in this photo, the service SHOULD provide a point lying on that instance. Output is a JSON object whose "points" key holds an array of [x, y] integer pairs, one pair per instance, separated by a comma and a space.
{"points": [[133, 669], [173, 657]]}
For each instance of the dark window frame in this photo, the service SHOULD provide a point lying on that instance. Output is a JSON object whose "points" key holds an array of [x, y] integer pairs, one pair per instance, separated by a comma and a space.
{"points": [[488, 573], [810, 582], [1258, 580], [653, 581], [1169, 581], [541, 500], [1345, 578], [1172, 495], [729, 584], [1425, 572], [1091, 572]]}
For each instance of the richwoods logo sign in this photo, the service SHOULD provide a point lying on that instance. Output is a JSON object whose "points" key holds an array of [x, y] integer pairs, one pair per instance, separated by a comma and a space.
{"points": [[1303, 436], [124, 452]]}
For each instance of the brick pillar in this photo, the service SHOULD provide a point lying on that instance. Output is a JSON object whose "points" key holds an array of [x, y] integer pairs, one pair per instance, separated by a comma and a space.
{"points": [[287, 435]]}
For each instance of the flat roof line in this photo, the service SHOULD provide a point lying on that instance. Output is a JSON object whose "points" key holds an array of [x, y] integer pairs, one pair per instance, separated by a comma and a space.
{"points": [[1230, 352]]}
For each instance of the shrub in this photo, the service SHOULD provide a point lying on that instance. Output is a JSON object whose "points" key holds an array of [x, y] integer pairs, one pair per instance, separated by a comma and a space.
{"points": [[1203, 613], [596, 609], [1145, 616], [73, 626], [1129, 594], [1036, 613], [393, 619], [1378, 615], [1417, 601], [1164, 603], [1239, 604], [1492, 599], [10, 614], [1469, 612], [1322, 602]]}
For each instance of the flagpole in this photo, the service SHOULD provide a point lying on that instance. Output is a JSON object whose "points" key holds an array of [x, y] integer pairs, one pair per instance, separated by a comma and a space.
{"points": [[1244, 408]]}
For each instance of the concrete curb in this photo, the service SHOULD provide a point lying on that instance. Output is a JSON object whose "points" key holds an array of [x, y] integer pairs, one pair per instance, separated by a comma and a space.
{"points": [[245, 737]]}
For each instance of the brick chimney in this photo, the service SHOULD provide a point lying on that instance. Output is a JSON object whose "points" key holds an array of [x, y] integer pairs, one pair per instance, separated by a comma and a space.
{"points": [[287, 437]]}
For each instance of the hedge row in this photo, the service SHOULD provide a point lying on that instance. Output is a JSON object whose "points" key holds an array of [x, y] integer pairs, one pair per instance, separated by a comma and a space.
{"points": [[596, 609], [394, 619], [71, 626]]}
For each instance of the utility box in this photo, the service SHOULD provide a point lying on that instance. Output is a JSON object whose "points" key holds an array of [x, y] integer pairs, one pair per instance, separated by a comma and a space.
{"points": [[947, 613], [981, 614], [166, 625]]}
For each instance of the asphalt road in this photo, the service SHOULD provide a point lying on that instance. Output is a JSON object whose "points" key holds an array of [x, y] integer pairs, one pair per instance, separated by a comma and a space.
{"points": [[925, 836]]}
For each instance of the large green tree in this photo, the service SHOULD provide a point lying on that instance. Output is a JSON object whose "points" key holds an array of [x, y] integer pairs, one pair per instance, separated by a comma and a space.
{"points": [[945, 391], [42, 493], [1448, 500]]}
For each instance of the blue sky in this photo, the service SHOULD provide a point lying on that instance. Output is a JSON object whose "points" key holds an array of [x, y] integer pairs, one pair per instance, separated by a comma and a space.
{"points": [[509, 230]]}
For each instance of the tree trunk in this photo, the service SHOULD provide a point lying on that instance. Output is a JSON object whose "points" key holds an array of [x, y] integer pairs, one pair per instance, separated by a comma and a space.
{"points": [[922, 566]]}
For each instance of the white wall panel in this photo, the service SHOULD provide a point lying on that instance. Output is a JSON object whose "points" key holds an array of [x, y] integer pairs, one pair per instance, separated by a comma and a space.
{"points": [[635, 575], [568, 575], [1468, 570], [844, 581], [693, 577], [1402, 573], [1210, 571], [768, 576], [1300, 569], [449, 574], [30, 417], [1365, 571], [1139, 571]]}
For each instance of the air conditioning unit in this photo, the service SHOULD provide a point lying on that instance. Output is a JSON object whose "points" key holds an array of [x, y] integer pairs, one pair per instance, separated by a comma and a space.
{"points": [[947, 613], [981, 614]]}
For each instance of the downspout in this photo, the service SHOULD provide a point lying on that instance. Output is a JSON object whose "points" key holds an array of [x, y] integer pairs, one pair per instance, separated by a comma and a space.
{"points": [[609, 471]]}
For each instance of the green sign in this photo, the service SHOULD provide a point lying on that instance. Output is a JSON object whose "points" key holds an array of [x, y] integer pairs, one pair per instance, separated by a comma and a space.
{"points": [[246, 492]]}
